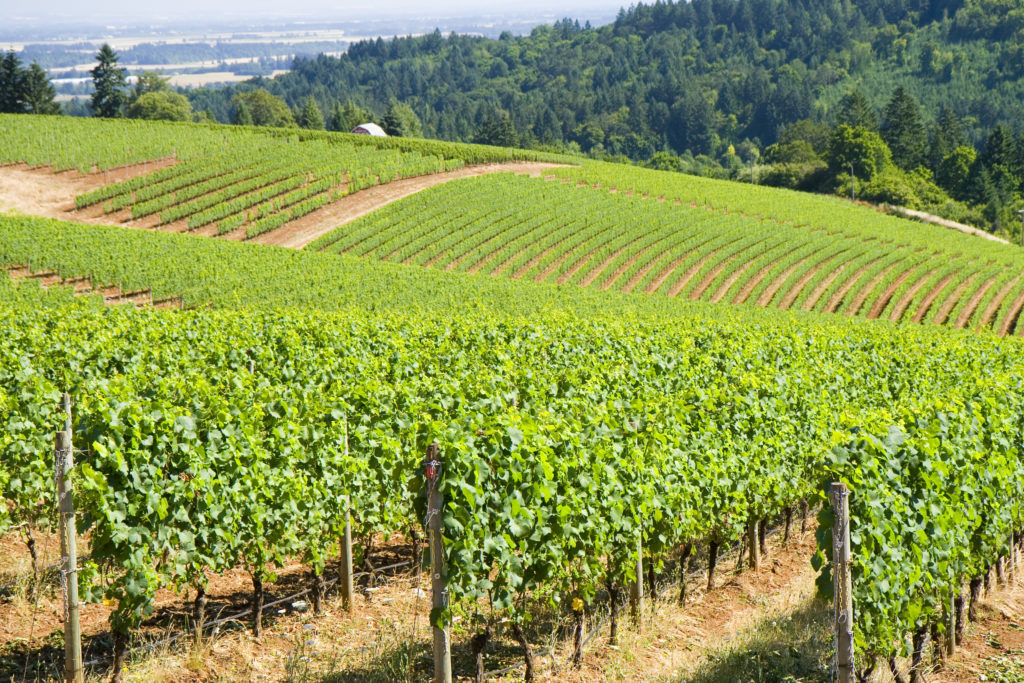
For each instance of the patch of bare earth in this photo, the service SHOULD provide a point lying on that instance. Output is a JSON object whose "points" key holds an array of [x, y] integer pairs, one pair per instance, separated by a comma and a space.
{"points": [[952, 299], [771, 290], [997, 301], [990, 642], [904, 302], [40, 191], [1010, 320], [930, 298], [865, 292], [299, 233], [972, 304], [837, 298]]}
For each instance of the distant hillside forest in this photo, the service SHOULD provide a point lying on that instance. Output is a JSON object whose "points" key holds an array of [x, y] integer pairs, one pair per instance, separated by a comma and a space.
{"points": [[731, 88]]}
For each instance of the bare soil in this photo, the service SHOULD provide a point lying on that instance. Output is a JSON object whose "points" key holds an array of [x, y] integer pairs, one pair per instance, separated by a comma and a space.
{"points": [[39, 191], [997, 302], [972, 303], [301, 232], [901, 305], [929, 299]]}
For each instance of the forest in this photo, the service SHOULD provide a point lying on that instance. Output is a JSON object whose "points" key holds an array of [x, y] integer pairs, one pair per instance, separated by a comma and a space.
{"points": [[717, 87], [914, 103]]}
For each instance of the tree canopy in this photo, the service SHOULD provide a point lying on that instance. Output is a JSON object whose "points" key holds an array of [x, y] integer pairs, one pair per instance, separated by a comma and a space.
{"points": [[109, 81]]}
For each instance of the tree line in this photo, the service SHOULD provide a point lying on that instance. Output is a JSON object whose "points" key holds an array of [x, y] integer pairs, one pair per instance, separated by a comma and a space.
{"points": [[780, 92]]}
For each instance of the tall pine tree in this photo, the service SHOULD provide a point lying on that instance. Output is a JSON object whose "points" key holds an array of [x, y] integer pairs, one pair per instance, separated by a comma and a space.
{"points": [[903, 131], [310, 116], [109, 80], [856, 112], [39, 92], [12, 85]]}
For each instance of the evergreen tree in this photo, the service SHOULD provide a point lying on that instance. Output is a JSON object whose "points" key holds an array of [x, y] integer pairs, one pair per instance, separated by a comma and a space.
{"points": [[39, 92], [999, 148], [903, 131], [856, 112], [401, 120], [242, 115], [946, 135], [309, 116], [345, 117], [12, 85], [496, 129], [109, 80]]}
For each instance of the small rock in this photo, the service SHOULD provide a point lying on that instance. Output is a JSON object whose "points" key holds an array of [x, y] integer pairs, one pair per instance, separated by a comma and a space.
{"points": [[300, 606]]}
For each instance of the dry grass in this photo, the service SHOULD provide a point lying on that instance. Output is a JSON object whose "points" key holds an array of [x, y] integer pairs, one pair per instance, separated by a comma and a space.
{"points": [[761, 627]]}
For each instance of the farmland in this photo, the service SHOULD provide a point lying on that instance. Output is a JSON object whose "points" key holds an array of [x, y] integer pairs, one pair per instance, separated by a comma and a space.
{"points": [[656, 407]]}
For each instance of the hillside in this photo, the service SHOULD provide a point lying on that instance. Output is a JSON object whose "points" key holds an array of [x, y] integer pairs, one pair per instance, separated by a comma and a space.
{"points": [[256, 469], [576, 224]]}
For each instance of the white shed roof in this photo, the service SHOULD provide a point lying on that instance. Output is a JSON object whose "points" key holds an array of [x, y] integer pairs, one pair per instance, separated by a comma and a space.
{"points": [[370, 129]]}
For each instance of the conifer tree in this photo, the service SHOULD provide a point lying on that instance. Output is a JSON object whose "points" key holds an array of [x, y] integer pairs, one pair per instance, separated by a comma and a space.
{"points": [[12, 85], [903, 131], [856, 112], [109, 80], [310, 116], [39, 92]]}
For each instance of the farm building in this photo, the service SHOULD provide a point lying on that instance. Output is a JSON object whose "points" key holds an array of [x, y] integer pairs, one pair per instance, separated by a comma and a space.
{"points": [[369, 129]]}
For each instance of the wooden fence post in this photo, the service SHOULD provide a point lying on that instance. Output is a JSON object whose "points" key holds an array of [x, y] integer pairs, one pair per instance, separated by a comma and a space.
{"points": [[1012, 559], [950, 609], [843, 584], [64, 461], [752, 542], [636, 589], [439, 598], [347, 588]]}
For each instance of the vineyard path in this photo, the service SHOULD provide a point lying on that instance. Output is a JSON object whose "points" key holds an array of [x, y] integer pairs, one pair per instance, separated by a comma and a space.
{"points": [[39, 191], [297, 234]]}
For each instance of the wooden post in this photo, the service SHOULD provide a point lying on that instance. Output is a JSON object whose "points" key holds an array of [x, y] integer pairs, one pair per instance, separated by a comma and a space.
{"points": [[752, 542], [843, 583], [950, 609], [636, 589], [347, 587], [435, 524], [64, 460], [1012, 561]]}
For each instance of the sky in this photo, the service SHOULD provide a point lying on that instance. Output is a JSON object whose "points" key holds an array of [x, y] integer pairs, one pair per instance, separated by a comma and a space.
{"points": [[132, 10]]}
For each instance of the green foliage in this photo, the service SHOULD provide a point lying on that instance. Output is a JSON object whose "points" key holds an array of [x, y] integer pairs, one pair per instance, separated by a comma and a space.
{"points": [[310, 115], [160, 106], [903, 130], [25, 90], [12, 84], [346, 116], [400, 120], [264, 109], [109, 82], [39, 92], [570, 426], [149, 82], [496, 129], [955, 169], [863, 149]]}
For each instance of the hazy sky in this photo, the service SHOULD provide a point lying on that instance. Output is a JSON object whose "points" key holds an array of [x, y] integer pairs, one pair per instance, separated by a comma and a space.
{"points": [[242, 10]]}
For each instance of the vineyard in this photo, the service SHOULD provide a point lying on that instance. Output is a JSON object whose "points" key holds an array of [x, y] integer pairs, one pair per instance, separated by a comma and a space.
{"points": [[585, 442], [859, 265], [557, 441], [607, 227]]}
